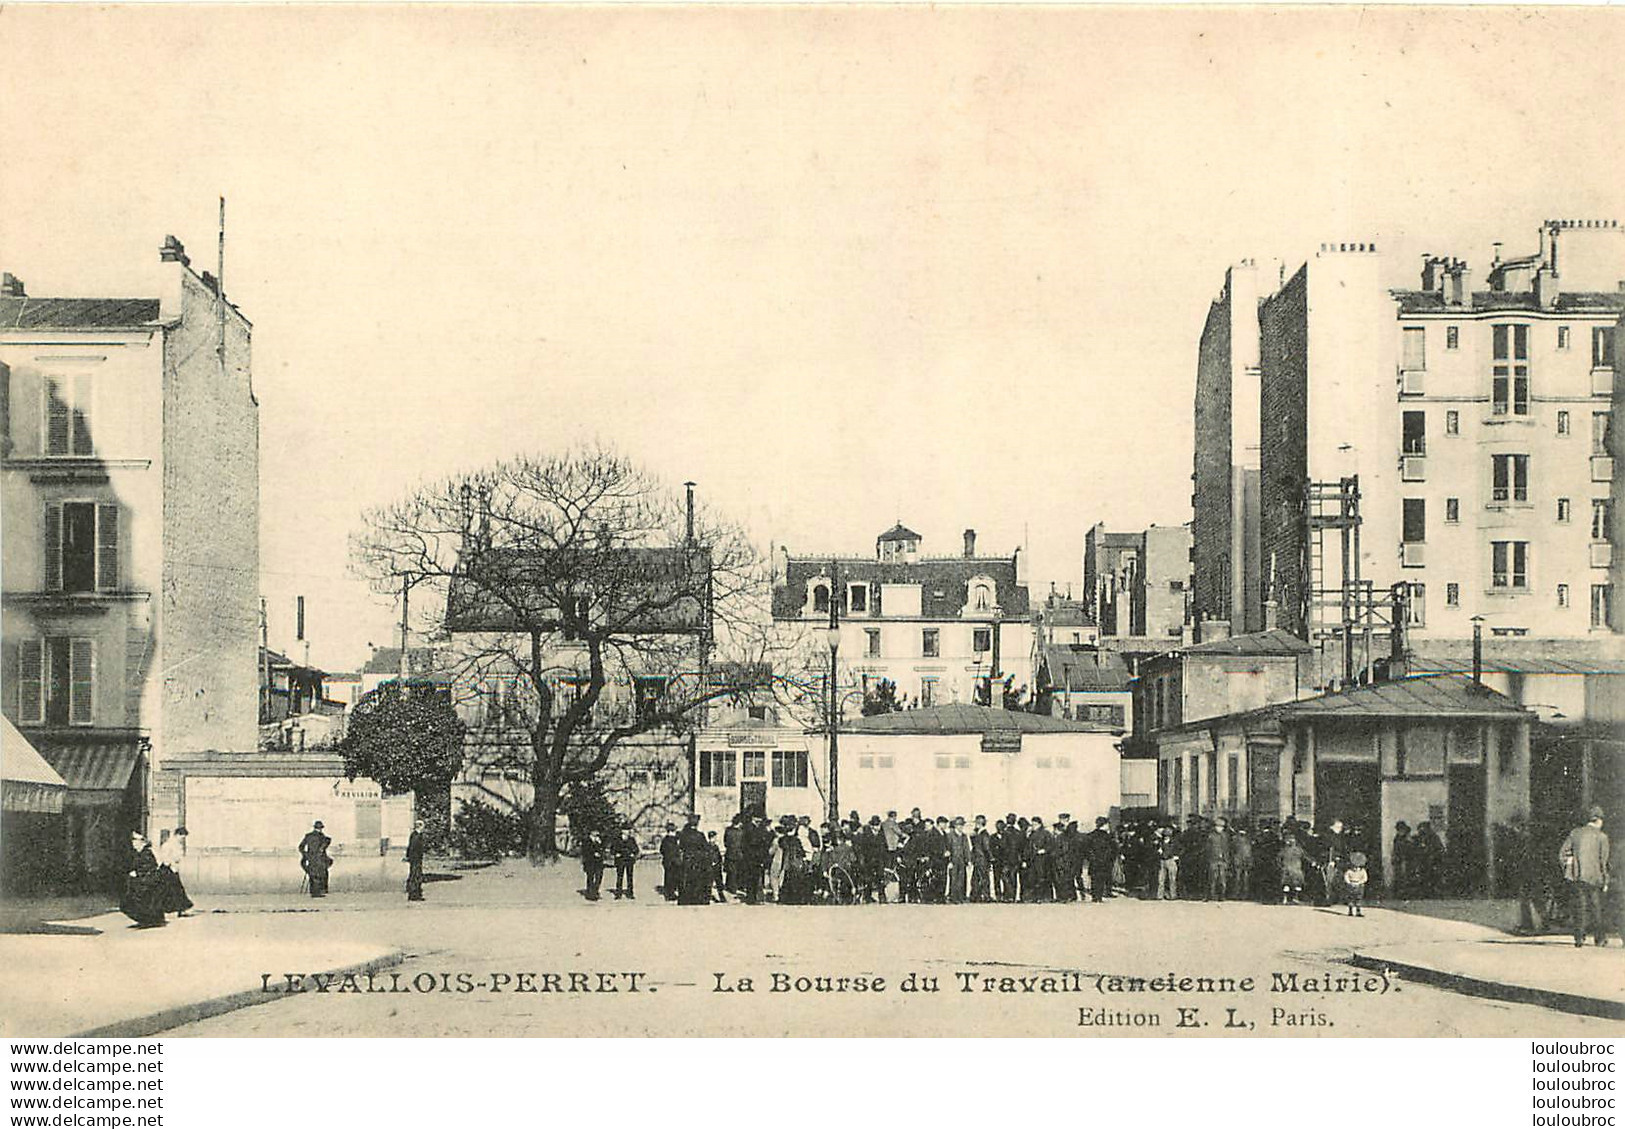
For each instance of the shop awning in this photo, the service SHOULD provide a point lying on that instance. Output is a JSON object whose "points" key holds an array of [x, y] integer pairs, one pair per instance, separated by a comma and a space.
{"points": [[102, 767], [27, 781]]}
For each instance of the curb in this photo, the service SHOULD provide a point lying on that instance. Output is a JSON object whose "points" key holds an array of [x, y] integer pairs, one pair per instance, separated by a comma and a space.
{"points": [[182, 1014], [1494, 990]]}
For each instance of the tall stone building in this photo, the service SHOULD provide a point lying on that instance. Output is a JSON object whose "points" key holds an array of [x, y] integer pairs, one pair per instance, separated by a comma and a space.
{"points": [[129, 473]]}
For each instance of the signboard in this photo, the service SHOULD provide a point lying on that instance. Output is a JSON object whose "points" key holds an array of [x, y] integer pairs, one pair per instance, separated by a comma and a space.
{"points": [[1002, 741]]}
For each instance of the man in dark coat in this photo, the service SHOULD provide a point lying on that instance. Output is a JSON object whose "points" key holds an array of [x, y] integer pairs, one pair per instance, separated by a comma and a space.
{"points": [[1009, 846], [756, 841], [1241, 864], [694, 855], [1066, 852], [626, 851], [733, 852], [414, 863], [872, 857], [314, 859], [671, 864], [1191, 842], [1038, 881], [592, 864], [1216, 858], [981, 862], [1102, 854], [959, 860]]}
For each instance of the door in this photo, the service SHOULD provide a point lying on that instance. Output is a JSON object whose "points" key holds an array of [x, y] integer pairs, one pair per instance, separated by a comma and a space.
{"points": [[753, 797], [1464, 829], [1264, 781], [1350, 791]]}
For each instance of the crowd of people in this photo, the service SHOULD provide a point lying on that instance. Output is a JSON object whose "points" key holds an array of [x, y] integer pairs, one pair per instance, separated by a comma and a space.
{"points": [[945, 860]]}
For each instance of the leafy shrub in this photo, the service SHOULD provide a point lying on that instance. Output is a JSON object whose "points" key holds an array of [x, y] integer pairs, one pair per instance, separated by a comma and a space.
{"points": [[481, 831]]}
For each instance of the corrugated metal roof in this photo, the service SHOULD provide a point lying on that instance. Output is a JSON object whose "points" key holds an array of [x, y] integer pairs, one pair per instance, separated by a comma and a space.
{"points": [[1085, 669], [102, 766], [1503, 656], [1275, 641], [21, 762], [77, 313], [959, 718], [1435, 695]]}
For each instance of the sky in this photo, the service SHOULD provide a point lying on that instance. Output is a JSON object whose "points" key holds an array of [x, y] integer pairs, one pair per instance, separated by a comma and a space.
{"points": [[840, 266]]}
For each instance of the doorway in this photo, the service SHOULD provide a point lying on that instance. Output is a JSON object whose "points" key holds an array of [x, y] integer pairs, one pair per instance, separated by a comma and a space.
{"points": [[753, 797]]}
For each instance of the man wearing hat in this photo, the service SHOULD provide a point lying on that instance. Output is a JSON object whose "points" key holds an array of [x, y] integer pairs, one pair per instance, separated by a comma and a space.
{"points": [[671, 864], [981, 862], [870, 847], [414, 863], [1038, 879], [1584, 857], [314, 859], [1102, 859], [1007, 845]]}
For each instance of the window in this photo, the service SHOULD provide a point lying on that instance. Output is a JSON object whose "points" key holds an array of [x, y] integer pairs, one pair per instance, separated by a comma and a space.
{"points": [[649, 692], [883, 762], [1415, 347], [1452, 595], [982, 640], [1562, 423], [1602, 519], [1562, 337], [872, 637], [1511, 478], [866, 762], [982, 598], [717, 768], [757, 713], [54, 680], [1602, 605], [930, 642], [1414, 519], [928, 692], [1416, 607], [67, 417], [1415, 433], [1452, 423], [1602, 347], [942, 762], [1106, 715], [1509, 564], [1452, 510], [1601, 425], [1562, 595], [1452, 336], [1509, 390], [857, 598], [964, 762], [1563, 509], [789, 768], [821, 598], [753, 765], [81, 547]]}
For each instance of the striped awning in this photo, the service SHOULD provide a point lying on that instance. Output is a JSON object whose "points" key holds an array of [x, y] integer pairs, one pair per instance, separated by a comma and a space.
{"points": [[99, 766], [27, 781]]}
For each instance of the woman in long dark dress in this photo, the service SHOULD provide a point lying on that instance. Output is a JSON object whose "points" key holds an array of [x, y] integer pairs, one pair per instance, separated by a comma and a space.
{"points": [[169, 855], [143, 901]]}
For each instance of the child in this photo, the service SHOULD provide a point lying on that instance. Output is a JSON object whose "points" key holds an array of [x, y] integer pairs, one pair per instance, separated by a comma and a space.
{"points": [[1354, 880], [1291, 871]]}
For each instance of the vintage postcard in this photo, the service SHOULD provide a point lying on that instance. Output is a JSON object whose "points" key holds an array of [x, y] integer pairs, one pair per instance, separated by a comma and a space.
{"points": [[796, 520]]}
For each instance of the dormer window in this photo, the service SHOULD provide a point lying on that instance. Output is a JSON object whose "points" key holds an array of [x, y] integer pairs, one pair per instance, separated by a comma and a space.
{"points": [[820, 598], [857, 599], [982, 598]]}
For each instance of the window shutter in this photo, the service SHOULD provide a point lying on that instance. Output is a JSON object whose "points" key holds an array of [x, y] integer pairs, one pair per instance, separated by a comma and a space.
{"points": [[82, 699], [53, 548], [106, 547], [56, 418], [31, 681]]}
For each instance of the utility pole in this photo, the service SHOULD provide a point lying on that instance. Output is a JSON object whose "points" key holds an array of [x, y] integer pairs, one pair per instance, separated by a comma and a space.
{"points": [[406, 599], [265, 665]]}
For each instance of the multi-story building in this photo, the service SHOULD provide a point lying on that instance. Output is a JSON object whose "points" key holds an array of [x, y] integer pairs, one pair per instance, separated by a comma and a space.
{"points": [[129, 473], [1449, 439], [1137, 584], [940, 629]]}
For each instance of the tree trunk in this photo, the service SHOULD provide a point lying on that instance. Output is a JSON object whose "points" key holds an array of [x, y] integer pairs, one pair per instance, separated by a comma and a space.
{"points": [[543, 823]]}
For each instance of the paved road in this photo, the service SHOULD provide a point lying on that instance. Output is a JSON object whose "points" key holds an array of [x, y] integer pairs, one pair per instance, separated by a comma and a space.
{"points": [[648, 967]]}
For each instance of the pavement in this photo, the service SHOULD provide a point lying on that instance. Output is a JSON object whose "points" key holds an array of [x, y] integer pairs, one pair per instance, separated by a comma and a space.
{"points": [[1019, 970]]}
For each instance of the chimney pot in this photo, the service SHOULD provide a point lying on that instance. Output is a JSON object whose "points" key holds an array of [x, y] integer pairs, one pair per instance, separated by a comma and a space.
{"points": [[970, 543], [11, 286], [173, 252]]}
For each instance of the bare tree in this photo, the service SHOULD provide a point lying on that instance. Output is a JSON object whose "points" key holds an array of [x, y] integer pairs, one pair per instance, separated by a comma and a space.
{"points": [[587, 607]]}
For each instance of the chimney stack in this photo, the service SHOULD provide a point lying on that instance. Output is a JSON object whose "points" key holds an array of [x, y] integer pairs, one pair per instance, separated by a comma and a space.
{"points": [[1545, 288], [11, 286], [1433, 268], [173, 252], [970, 543]]}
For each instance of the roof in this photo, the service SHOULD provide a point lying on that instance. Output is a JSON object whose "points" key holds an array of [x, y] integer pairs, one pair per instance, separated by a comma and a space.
{"points": [[21, 763], [77, 313], [1435, 695], [1519, 656], [96, 766], [898, 532], [1059, 612], [1275, 641], [959, 719], [1581, 301], [949, 576], [421, 662], [1085, 669]]}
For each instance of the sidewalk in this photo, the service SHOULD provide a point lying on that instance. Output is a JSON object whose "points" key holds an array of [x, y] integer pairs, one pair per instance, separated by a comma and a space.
{"points": [[115, 981], [1545, 971]]}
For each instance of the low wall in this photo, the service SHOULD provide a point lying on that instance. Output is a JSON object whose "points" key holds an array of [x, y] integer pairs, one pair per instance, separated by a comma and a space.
{"points": [[278, 872]]}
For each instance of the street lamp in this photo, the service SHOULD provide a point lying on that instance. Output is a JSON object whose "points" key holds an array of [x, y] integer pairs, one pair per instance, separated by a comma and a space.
{"points": [[833, 638]]}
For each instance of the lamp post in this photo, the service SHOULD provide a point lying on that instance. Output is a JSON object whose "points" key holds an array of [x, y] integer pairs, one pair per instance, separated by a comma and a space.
{"points": [[833, 638]]}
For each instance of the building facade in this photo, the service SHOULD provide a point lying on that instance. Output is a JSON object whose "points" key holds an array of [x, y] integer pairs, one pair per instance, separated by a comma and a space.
{"points": [[1138, 584], [940, 629], [129, 473]]}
